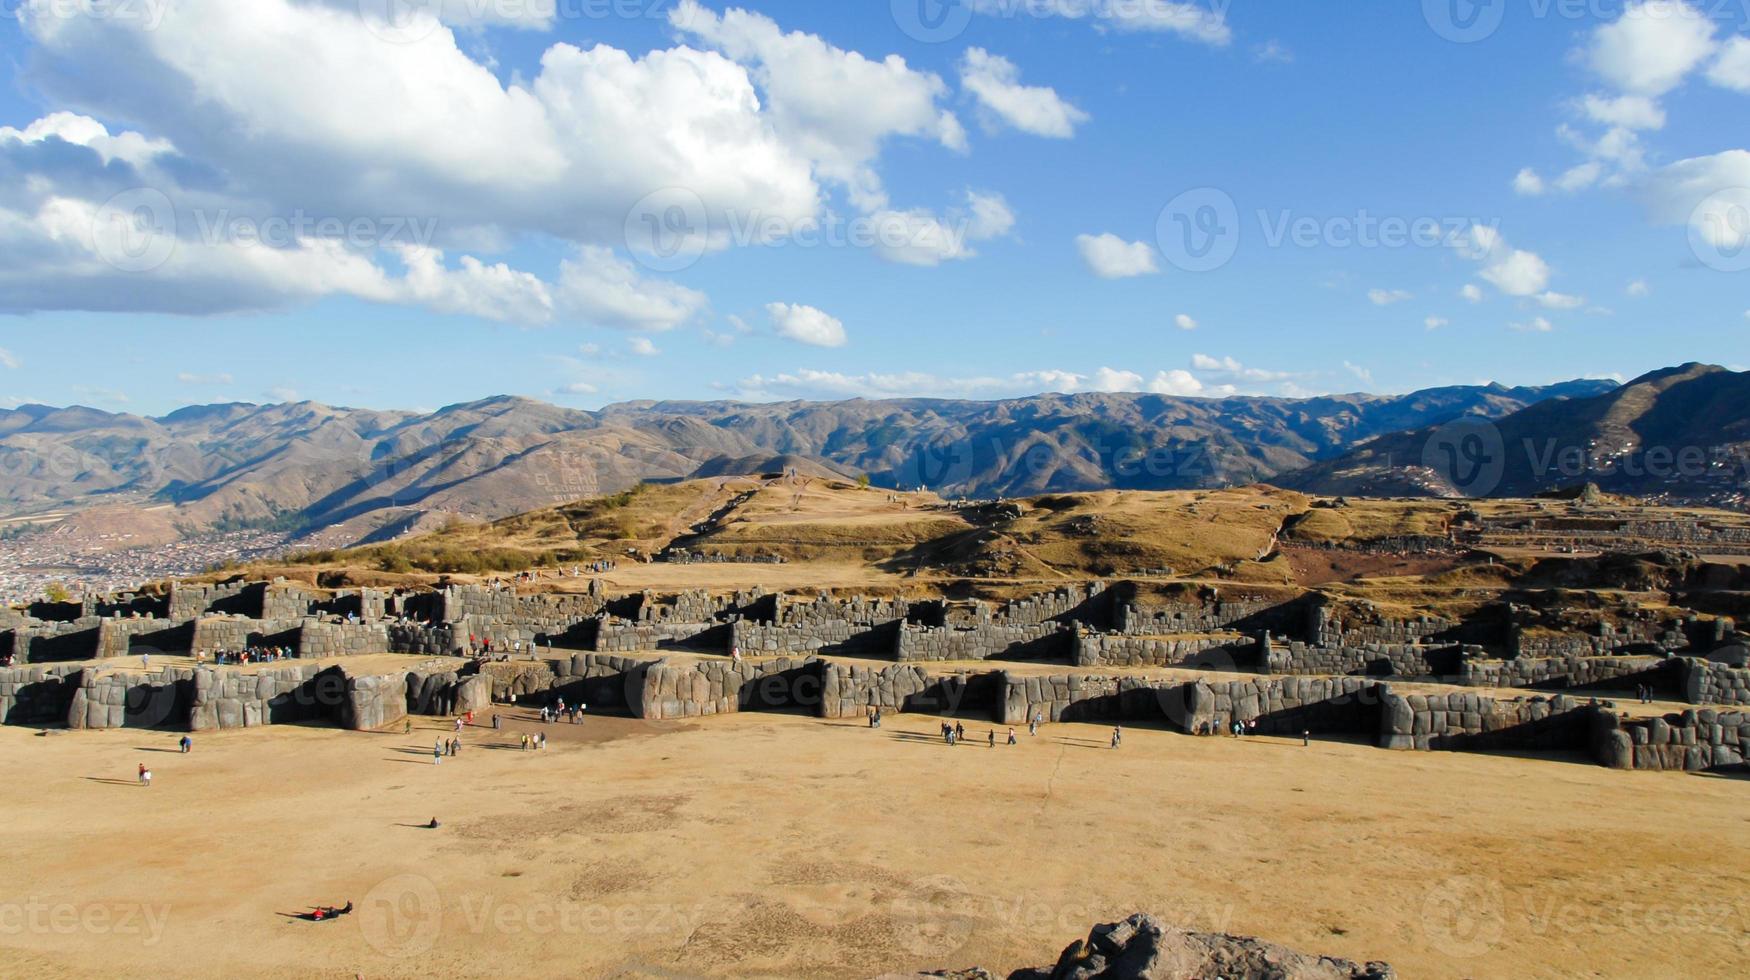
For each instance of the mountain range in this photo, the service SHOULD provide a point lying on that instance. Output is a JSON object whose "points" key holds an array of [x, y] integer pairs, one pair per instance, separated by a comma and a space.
{"points": [[366, 475]]}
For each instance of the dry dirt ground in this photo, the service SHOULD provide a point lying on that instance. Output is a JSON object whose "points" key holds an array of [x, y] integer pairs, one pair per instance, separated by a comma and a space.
{"points": [[770, 845]]}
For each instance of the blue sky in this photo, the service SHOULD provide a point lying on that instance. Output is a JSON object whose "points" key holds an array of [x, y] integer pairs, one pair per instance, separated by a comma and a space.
{"points": [[1578, 173]]}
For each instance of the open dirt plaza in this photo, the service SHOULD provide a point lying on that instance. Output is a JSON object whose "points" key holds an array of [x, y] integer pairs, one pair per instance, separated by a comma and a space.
{"points": [[784, 846]]}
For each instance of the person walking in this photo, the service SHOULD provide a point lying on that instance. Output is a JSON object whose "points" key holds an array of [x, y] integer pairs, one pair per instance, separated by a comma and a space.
{"points": [[185, 743], [1117, 736], [1011, 735]]}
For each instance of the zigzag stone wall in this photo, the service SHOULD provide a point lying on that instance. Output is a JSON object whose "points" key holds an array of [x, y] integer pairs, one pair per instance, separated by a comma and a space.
{"points": [[1118, 650], [1040, 642], [715, 687], [37, 695], [1568, 672], [1695, 741], [1702, 682], [318, 640], [1477, 723]]}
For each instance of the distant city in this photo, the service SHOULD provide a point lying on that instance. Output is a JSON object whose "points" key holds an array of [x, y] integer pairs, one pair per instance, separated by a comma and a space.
{"points": [[32, 563]]}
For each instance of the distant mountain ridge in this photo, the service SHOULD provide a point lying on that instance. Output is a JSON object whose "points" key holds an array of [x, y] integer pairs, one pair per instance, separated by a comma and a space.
{"points": [[306, 465], [1677, 433]]}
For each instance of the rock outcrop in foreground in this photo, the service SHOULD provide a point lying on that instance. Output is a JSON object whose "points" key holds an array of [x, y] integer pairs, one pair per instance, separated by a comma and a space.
{"points": [[1142, 948]]}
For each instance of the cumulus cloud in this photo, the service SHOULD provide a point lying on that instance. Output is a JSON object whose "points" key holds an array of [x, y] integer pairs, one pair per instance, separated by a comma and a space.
{"points": [[1226, 368], [1471, 293], [1638, 288], [834, 106], [642, 347], [1111, 257], [923, 238], [188, 378], [1652, 47], [1386, 297], [1436, 322], [1732, 69], [1535, 325], [1560, 301], [1710, 194], [806, 325], [238, 121], [1178, 17], [1184, 322], [920, 384], [996, 83], [1514, 272]]}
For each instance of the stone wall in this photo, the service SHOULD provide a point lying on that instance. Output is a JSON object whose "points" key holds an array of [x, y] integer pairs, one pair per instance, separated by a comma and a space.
{"points": [[987, 642], [1370, 660], [1478, 723], [318, 640], [850, 691], [1702, 682], [616, 636], [411, 637], [272, 695], [813, 636], [377, 701], [37, 695], [1282, 706], [857, 610], [1172, 619], [1082, 697], [115, 699], [1695, 741], [1569, 672], [1119, 650], [712, 687]]}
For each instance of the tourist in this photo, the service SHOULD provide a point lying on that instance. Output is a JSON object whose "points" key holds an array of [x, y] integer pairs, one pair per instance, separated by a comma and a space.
{"points": [[407, 726], [1117, 736], [993, 739], [495, 724], [145, 661], [145, 777], [437, 753], [1011, 735], [1306, 738], [185, 743], [142, 776], [959, 731], [430, 826]]}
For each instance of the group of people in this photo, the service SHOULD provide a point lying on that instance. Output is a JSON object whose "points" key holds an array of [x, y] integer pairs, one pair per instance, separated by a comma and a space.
{"points": [[249, 655], [537, 741], [443, 747], [559, 709], [1645, 693]]}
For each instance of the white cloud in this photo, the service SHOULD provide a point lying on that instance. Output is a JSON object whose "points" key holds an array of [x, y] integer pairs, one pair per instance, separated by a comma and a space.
{"points": [[1111, 379], [1185, 19], [1626, 111], [1552, 300], [1527, 183], [1111, 257], [642, 346], [996, 83], [1386, 297], [1471, 293], [1710, 194], [1638, 288], [282, 393], [9, 360], [602, 289], [834, 106], [1177, 383], [1537, 325], [1272, 52], [806, 325], [1436, 322], [1652, 47], [188, 378], [1514, 272], [1361, 374], [1732, 69], [577, 388], [1230, 369], [1184, 322], [921, 237]]}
